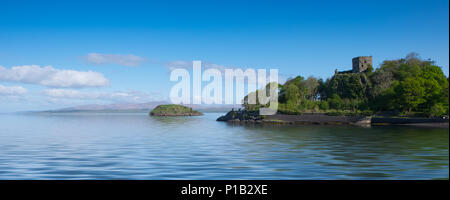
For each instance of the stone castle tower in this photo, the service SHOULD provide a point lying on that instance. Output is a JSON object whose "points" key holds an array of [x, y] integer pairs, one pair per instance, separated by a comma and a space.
{"points": [[361, 63]]}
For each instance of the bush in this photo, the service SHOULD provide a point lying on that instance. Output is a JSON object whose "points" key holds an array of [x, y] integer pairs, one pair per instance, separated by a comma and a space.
{"points": [[324, 105], [437, 110], [335, 102], [289, 109], [309, 104], [367, 113]]}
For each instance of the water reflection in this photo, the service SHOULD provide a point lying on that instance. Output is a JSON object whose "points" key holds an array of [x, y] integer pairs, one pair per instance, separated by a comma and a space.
{"points": [[376, 152], [137, 146]]}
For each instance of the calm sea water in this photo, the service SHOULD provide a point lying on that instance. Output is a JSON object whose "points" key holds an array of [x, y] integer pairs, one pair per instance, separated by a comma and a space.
{"points": [[136, 146]]}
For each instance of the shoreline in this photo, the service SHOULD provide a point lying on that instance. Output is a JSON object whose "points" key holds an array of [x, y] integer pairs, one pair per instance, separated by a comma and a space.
{"points": [[247, 117], [422, 125]]}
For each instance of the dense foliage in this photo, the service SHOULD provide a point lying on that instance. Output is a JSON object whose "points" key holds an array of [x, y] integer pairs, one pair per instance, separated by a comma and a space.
{"points": [[407, 86], [173, 110]]}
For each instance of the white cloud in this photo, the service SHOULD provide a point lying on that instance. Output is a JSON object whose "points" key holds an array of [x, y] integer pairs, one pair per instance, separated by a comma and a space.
{"points": [[125, 60], [51, 77], [188, 65], [178, 64], [130, 96], [12, 90]]}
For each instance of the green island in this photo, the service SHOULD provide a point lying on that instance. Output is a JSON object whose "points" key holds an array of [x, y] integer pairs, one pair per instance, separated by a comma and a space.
{"points": [[406, 90], [174, 110]]}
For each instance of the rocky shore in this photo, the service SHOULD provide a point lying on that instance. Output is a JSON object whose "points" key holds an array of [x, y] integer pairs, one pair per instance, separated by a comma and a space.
{"points": [[424, 122], [243, 116]]}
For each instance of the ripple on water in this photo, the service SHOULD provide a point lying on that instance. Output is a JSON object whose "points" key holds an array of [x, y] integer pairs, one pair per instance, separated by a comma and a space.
{"points": [[136, 146]]}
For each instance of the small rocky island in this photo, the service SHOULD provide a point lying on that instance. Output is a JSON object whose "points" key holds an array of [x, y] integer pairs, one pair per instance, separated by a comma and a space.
{"points": [[174, 110]]}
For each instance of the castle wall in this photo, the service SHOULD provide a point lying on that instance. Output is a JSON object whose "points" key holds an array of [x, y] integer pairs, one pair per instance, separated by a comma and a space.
{"points": [[361, 63]]}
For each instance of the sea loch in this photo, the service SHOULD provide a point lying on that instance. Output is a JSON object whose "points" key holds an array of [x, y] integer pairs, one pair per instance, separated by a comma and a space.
{"points": [[137, 146]]}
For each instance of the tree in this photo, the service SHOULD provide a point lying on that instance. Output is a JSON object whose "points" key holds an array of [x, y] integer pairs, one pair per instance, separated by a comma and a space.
{"points": [[434, 84], [381, 81], [335, 102], [248, 105], [437, 110], [406, 84], [410, 93], [323, 105], [312, 85], [369, 70], [348, 86], [292, 94]]}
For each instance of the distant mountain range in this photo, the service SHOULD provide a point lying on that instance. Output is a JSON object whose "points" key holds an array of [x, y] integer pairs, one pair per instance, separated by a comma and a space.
{"points": [[140, 107]]}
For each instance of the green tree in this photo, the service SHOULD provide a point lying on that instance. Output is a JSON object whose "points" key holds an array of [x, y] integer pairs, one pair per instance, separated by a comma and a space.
{"points": [[348, 86], [410, 93], [324, 105], [312, 85], [335, 102], [437, 110], [292, 94], [406, 84]]}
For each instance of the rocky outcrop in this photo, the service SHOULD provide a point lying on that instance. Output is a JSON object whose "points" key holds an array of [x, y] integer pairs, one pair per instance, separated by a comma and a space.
{"points": [[241, 116], [306, 118]]}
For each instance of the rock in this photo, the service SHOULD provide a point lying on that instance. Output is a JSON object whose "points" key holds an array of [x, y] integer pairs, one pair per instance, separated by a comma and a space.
{"points": [[241, 116]]}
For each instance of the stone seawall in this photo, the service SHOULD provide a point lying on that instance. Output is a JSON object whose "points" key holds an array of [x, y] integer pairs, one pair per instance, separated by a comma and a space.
{"points": [[393, 120], [317, 118], [306, 118], [243, 116]]}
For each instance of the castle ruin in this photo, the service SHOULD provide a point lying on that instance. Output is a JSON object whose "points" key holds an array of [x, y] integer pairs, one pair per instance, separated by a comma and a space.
{"points": [[361, 63]]}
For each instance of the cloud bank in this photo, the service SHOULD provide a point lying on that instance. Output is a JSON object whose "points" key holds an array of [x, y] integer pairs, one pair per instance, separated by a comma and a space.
{"points": [[12, 90], [51, 77], [117, 59]]}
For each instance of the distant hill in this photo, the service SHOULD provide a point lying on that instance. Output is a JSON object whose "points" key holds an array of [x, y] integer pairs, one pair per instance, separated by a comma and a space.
{"points": [[139, 107]]}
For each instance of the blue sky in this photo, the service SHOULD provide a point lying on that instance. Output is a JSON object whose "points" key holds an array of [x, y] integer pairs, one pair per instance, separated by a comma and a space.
{"points": [[119, 51]]}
